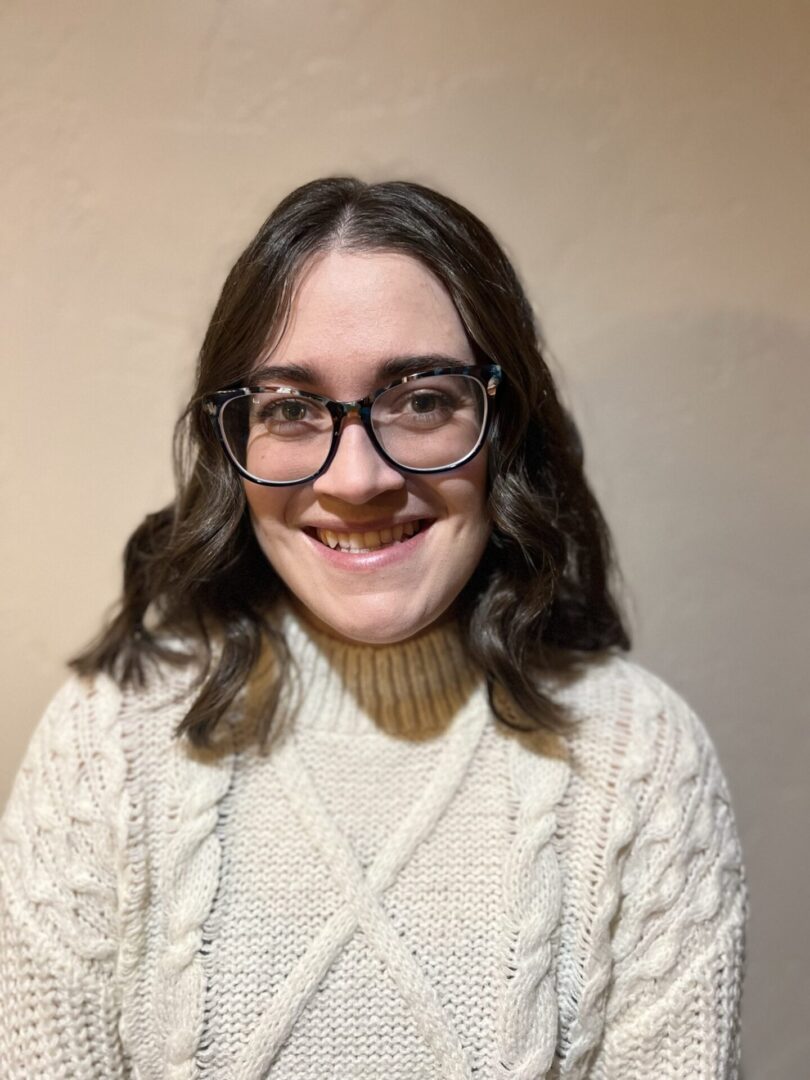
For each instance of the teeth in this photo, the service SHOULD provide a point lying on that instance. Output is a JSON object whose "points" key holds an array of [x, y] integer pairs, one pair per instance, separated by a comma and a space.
{"points": [[367, 541]]}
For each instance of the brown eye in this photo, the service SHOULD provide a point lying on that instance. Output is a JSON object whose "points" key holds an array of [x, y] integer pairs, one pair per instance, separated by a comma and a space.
{"points": [[293, 410], [425, 403]]}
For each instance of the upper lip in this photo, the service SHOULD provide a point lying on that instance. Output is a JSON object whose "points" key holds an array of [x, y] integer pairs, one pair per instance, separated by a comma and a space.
{"points": [[362, 526]]}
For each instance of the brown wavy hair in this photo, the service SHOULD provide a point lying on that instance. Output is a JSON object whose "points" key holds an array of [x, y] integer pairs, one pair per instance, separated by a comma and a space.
{"points": [[540, 600]]}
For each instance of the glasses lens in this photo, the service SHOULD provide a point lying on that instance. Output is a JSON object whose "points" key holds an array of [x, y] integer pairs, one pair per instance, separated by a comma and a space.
{"points": [[277, 435], [431, 423]]}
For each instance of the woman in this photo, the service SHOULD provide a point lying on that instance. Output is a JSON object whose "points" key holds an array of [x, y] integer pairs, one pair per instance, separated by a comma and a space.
{"points": [[356, 783]]}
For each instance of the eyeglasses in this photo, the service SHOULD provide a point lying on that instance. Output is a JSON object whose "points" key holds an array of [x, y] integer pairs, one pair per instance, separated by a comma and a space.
{"points": [[432, 421]]}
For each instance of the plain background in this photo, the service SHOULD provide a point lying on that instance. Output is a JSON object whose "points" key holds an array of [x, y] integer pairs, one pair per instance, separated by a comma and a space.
{"points": [[645, 165]]}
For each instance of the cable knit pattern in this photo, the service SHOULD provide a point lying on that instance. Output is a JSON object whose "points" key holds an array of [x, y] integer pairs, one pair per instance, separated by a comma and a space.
{"points": [[532, 899], [399, 886], [194, 860], [362, 906], [656, 797], [59, 927], [611, 755]]}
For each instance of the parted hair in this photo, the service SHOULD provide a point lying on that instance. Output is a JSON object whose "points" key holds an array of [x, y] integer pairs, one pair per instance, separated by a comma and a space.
{"points": [[542, 598]]}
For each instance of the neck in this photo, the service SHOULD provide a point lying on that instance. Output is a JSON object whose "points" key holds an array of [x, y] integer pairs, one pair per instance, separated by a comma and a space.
{"points": [[409, 690]]}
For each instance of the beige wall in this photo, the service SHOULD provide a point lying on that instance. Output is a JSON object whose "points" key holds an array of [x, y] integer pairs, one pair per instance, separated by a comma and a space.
{"points": [[645, 163]]}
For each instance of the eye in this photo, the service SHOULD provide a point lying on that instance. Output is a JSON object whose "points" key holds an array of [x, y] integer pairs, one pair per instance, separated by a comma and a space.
{"points": [[280, 410], [289, 416], [428, 401], [292, 409], [428, 405]]}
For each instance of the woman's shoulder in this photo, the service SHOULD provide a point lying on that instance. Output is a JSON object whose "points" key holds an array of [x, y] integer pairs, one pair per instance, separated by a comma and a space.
{"points": [[58, 829], [612, 678], [642, 771], [642, 758], [76, 734], [70, 807], [82, 736], [616, 702]]}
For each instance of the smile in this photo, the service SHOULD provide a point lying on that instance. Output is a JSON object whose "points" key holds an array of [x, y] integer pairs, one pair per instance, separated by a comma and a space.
{"points": [[359, 543]]}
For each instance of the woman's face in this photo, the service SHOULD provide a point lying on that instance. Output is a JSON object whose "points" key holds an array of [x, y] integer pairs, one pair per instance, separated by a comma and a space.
{"points": [[351, 314]]}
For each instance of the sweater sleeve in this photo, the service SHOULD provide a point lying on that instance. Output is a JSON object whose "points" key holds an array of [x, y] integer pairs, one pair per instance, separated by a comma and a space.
{"points": [[678, 931], [58, 894]]}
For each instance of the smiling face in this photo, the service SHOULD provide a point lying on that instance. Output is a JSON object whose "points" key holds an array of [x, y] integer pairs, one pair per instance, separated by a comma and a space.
{"points": [[373, 554]]}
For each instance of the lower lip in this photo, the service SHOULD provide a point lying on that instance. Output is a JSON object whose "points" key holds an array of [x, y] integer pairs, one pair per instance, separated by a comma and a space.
{"points": [[383, 557]]}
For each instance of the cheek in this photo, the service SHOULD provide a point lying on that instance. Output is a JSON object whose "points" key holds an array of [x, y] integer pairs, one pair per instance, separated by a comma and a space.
{"points": [[267, 507], [462, 540], [464, 494]]}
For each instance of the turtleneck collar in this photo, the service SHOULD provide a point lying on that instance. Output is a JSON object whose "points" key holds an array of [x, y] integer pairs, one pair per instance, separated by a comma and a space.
{"points": [[411, 690]]}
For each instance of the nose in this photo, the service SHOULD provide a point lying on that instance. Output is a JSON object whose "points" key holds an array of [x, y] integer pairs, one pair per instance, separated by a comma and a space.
{"points": [[357, 472]]}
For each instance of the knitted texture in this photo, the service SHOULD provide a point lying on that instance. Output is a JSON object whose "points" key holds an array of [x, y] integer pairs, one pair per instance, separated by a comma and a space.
{"points": [[399, 885]]}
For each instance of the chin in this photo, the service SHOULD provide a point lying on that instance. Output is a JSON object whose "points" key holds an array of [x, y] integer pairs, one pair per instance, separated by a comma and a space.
{"points": [[371, 625]]}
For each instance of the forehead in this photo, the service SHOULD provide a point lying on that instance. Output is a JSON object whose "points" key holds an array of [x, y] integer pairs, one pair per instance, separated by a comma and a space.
{"points": [[351, 312]]}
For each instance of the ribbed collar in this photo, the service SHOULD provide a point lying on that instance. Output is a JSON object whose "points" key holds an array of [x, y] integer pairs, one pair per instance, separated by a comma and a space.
{"points": [[411, 690]]}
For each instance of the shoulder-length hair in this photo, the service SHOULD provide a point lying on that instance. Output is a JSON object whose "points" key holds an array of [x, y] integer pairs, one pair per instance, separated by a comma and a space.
{"points": [[541, 596]]}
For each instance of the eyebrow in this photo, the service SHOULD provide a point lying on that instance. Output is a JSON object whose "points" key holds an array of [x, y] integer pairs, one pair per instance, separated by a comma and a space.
{"points": [[393, 368]]}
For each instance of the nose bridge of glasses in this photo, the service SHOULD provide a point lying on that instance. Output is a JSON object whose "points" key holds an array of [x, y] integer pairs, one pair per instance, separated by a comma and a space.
{"points": [[344, 410]]}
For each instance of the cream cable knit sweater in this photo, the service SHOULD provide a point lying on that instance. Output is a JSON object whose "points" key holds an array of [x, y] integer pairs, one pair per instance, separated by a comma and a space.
{"points": [[402, 888]]}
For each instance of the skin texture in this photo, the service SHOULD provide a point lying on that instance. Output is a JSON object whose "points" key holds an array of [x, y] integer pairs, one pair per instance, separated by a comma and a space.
{"points": [[350, 314]]}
